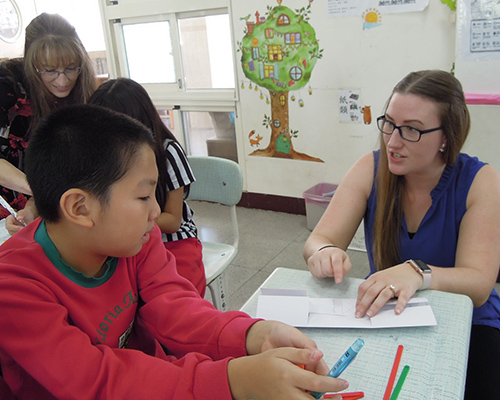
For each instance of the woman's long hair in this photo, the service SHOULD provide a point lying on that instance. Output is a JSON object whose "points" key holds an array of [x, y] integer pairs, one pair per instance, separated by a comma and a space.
{"points": [[53, 41], [446, 92], [129, 97]]}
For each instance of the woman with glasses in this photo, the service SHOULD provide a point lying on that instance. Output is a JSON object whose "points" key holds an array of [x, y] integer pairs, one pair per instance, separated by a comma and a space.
{"points": [[55, 71], [431, 217]]}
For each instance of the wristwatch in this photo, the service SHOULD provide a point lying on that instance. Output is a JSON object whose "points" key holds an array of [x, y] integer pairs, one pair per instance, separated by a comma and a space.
{"points": [[424, 270]]}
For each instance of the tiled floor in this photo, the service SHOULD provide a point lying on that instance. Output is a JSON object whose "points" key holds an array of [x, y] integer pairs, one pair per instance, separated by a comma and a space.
{"points": [[268, 240]]}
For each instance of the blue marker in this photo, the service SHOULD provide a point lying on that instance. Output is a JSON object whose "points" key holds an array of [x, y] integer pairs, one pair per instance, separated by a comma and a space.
{"points": [[343, 362]]}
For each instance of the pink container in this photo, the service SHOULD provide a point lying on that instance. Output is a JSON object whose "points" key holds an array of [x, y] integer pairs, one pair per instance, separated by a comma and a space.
{"points": [[317, 199]]}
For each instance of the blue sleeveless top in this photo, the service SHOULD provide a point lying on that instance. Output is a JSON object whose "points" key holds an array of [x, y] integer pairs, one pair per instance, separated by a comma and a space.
{"points": [[439, 229]]}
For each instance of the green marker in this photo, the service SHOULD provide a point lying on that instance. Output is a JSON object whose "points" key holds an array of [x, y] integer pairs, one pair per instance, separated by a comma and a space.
{"points": [[399, 385]]}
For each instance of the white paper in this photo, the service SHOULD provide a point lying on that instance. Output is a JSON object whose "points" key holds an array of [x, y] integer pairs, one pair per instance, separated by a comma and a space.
{"points": [[344, 8], [305, 312], [4, 234]]}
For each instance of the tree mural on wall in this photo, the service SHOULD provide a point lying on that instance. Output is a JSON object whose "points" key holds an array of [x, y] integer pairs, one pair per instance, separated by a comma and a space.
{"points": [[279, 52]]}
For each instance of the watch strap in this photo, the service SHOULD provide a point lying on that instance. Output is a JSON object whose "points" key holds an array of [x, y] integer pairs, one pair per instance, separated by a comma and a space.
{"points": [[424, 270]]}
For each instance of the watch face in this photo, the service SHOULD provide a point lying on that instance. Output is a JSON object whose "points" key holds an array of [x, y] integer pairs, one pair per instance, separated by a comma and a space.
{"points": [[423, 266], [10, 21]]}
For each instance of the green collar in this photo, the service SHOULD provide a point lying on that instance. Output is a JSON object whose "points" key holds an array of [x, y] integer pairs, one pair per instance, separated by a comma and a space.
{"points": [[43, 239]]}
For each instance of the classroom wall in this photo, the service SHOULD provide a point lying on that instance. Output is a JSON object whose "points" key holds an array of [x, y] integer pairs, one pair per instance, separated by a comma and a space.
{"points": [[369, 60]]}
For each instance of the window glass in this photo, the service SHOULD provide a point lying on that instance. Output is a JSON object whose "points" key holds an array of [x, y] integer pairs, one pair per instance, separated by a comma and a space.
{"points": [[211, 134], [206, 52], [149, 63]]}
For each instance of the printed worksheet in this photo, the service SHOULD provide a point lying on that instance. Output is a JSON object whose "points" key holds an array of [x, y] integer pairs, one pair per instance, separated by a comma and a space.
{"points": [[302, 311]]}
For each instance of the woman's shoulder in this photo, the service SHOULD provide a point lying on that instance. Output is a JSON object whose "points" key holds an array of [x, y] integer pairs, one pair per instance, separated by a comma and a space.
{"points": [[466, 167], [465, 158], [367, 162], [360, 176], [485, 185]]}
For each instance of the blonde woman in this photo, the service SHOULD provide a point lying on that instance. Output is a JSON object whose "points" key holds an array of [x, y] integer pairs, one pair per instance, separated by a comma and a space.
{"points": [[55, 71]]}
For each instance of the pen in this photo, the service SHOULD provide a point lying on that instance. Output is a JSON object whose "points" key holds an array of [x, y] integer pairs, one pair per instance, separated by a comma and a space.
{"points": [[394, 371], [343, 362], [399, 385], [7, 206]]}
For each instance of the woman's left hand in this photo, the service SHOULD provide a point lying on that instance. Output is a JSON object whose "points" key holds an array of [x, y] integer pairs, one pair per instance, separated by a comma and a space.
{"points": [[400, 281]]}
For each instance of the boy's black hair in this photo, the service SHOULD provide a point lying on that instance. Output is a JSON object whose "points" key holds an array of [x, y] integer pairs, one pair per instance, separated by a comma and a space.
{"points": [[82, 146]]}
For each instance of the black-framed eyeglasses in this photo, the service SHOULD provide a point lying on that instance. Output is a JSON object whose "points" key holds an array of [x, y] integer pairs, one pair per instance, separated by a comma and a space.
{"points": [[407, 133], [52, 74]]}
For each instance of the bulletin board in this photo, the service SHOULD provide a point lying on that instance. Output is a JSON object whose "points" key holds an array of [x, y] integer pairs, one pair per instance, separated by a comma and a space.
{"points": [[478, 50]]}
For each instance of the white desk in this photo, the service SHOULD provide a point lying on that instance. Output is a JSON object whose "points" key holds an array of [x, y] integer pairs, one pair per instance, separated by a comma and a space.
{"points": [[437, 355]]}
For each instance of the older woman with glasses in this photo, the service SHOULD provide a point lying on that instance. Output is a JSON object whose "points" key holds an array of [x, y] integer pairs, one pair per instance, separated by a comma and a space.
{"points": [[55, 71], [431, 217]]}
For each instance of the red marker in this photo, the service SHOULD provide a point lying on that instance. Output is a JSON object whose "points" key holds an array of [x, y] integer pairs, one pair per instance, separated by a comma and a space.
{"points": [[346, 396], [394, 371]]}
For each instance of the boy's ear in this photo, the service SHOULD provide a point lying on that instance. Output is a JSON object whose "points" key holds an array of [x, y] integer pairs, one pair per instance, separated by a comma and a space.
{"points": [[76, 207]]}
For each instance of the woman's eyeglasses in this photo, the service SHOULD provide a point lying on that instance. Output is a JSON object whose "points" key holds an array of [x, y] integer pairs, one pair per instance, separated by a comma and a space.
{"points": [[52, 74], [407, 133]]}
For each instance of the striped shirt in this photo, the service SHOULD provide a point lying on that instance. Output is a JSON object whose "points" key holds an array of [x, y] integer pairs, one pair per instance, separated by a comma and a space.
{"points": [[179, 175]]}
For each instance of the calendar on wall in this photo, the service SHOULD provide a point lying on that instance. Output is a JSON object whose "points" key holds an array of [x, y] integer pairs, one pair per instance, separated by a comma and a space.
{"points": [[478, 47]]}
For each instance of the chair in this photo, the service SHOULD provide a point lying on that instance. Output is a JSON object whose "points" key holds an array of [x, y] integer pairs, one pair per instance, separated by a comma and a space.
{"points": [[218, 180]]}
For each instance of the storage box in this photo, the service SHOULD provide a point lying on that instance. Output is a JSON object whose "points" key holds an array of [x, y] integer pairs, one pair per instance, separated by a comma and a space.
{"points": [[317, 199]]}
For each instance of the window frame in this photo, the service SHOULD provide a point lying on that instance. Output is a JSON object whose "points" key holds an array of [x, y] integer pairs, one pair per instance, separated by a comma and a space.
{"points": [[166, 95]]}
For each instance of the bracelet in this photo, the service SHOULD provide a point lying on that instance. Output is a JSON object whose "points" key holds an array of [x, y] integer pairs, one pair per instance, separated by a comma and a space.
{"points": [[324, 247]]}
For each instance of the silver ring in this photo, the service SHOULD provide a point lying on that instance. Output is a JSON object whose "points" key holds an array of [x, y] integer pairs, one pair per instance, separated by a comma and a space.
{"points": [[392, 289]]}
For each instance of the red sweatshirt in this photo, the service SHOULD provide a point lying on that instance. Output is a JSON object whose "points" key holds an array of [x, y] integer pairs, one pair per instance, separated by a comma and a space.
{"points": [[64, 335]]}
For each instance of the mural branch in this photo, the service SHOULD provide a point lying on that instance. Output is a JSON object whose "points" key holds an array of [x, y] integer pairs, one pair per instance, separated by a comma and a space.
{"points": [[279, 52]]}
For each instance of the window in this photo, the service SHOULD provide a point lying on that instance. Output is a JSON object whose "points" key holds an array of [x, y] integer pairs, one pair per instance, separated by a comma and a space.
{"points": [[145, 66], [185, 60], [211, 134], [275, 53], [268, 71], [293, 38], [295, 73], [283, 20], [206, 52]]}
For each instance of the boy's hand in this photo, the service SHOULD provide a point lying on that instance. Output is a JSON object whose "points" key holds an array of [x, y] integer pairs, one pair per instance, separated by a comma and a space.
{"points": [[28, 214], [266, 335], [14, 225], [271, 370], [275, 374]]}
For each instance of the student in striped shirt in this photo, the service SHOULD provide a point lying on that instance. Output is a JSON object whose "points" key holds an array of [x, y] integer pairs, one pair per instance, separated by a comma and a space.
{"points": [[179, 233]]}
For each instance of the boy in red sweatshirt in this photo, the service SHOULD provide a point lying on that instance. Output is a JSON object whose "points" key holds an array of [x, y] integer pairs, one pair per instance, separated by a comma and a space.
{"points": [[92, 306]]}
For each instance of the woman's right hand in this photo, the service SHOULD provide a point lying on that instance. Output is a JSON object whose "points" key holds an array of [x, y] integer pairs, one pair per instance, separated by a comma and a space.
{"points": [[331, 262]]}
